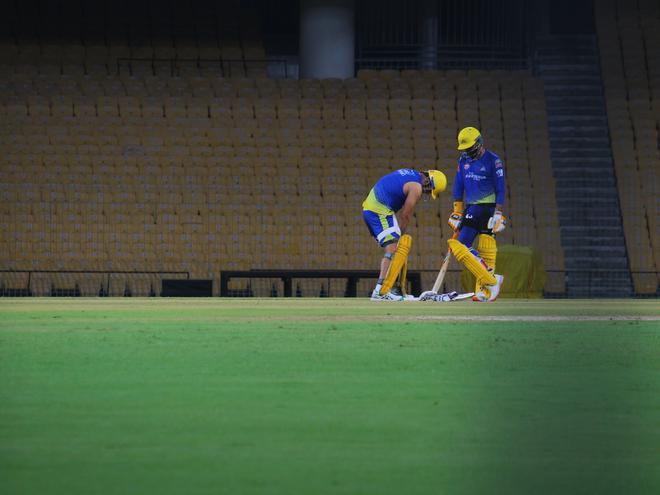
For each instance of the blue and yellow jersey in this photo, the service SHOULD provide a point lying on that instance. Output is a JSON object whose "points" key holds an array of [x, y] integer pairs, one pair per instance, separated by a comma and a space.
{"points": [[387, 194], [481, 180]]}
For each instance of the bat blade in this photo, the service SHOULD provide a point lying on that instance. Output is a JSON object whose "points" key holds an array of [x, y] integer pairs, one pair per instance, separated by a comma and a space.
{"points": [[443, 271]]}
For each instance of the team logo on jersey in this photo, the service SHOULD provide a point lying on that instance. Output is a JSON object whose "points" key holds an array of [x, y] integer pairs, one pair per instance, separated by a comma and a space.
{"points": [[475, 177], [466, 166], [498, 163], [483, 169]]}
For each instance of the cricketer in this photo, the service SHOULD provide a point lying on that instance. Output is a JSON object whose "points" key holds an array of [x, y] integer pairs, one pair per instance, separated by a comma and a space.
{"points": [[479, 192], [399, 192]]}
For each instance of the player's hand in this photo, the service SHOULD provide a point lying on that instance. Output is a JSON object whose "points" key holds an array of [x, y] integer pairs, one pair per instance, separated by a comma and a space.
{"points": [[497, 223], [455, 220]]}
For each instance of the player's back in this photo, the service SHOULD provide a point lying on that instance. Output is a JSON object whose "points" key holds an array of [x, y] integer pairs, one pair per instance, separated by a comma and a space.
{"points": [[389, 189]]}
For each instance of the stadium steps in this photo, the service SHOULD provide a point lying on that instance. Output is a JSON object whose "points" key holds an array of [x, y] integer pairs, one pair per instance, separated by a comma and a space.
{"points": [[585, 151], [589, 164], [589, 131], [565, 104], [577, 69], [580, 139], [578, 90], [589, 212], [572, 121], [579, 80], [575, 233], [576, 174]]}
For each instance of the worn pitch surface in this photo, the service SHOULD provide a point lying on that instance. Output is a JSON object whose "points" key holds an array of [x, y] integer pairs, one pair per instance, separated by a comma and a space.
{"points": [[256, 396]]}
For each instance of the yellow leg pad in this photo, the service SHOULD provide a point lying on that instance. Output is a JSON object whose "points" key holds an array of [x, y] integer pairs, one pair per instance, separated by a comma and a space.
{"points": [[487, 247], [469, 261], [403, 276], [398, 260]]}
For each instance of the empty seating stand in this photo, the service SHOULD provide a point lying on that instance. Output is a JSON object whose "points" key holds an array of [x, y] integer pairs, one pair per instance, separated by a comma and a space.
{"points": [[174, 153], [629, 42], [209, 175]]}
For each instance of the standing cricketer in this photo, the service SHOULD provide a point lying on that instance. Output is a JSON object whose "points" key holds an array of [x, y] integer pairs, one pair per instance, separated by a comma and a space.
{"points": [[479, 192], [398, 191]]}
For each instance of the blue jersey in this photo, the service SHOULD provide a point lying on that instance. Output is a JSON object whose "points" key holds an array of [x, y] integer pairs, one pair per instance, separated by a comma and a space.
{"points": [[389, 189], [482, 180]]}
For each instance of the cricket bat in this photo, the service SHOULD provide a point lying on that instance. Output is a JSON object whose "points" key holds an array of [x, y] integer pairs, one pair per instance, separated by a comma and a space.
{"points": [[443, 269]]}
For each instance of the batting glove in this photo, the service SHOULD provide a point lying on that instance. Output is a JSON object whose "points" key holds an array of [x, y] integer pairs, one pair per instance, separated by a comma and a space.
{"points": [[434, 296], [497, 223], [455, 220], [456, 216]]}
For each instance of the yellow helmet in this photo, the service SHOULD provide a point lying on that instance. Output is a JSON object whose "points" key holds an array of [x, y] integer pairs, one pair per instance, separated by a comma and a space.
{"points": [[468, 137], [470, 142], [438, 182]]}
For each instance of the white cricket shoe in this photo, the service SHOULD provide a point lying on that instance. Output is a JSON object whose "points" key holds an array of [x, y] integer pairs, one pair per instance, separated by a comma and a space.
{"points": [[491, 292], [481, 295], [376, 296]]}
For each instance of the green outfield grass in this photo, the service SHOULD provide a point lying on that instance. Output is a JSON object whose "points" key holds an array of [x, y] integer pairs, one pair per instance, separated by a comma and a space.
{"points": [[336, 396]]}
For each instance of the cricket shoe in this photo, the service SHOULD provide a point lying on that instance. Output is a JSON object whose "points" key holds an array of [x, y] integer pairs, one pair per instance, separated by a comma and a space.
{"points": [[396, 291], [376, 296], [481, 295], [489, 293]]}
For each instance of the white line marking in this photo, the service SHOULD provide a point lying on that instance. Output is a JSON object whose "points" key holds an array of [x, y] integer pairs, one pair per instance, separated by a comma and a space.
{"points": [[537, 318]]}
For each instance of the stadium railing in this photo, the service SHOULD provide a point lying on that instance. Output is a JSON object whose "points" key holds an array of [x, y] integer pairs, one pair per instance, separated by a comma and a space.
{"points": [[358, 283], [20, 283], [287, 276], [273, 282]]}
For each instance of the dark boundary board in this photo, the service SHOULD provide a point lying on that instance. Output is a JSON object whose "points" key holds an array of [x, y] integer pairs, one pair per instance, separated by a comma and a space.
{"points": [[187, 288]]}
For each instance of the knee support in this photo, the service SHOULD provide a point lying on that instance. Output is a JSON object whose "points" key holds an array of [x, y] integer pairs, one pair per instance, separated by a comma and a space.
{"points": [[474, 265], [399, 259]]}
